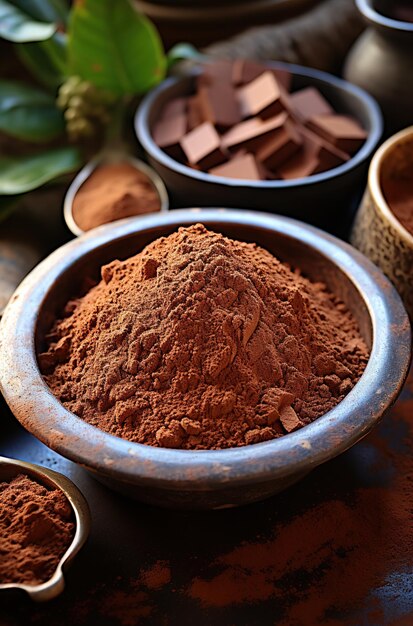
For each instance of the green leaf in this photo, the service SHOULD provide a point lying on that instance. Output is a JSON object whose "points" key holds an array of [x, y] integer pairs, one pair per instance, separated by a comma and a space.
{"points": [[184, 52], [46, 60], [15, 25], [114, 47], [45, 10], [28, 113], [38, 58], [27, 173]]}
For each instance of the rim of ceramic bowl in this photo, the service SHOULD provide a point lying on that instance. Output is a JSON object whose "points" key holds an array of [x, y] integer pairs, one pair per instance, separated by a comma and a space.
{"points": [[152, 149], [86, 171], [56, 583], [367, 9], [375, 184], [42, 414]]}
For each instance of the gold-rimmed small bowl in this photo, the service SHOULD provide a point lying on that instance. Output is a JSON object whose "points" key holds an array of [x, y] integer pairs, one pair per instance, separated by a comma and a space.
{"points": [[9, 469], [376, 231]]}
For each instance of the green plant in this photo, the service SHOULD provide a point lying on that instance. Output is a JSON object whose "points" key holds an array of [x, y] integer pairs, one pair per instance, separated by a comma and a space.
{"points": [[87, 61]]}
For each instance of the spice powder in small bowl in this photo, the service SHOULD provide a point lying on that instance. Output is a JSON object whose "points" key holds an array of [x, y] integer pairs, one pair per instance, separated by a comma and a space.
{"points": [[112, 192], [36, 528], [202, 342]]}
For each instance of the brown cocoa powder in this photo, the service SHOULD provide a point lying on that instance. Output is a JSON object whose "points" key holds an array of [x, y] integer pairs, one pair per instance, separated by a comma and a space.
{"points": [[112, 192], [36, 528], [202, 342], [398, 192]]}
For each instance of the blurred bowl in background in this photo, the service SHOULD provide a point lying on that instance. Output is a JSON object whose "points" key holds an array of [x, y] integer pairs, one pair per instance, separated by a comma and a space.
{"points": [[376, 231]]}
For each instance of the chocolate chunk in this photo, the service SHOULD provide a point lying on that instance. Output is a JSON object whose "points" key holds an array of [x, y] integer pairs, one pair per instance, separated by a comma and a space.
{"points": [[290, 420], [309, 102], [244, 167], [195, 117], [263, 96], [169, 132], [215, 71], [304, 163], [340, 130], [249, 133], [219, 105], [245, 71], [279, 146], [175, 107], [316, 155], [202, 146]]}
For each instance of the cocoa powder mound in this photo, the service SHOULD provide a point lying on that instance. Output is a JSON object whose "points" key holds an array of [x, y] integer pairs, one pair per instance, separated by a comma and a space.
{"points": [[202, 342], [36, 528], [112, 192]]}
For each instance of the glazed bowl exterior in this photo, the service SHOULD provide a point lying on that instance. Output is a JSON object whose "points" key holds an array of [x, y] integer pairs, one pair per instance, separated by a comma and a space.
{"points": [[376, 231], [316, 199], [380, 62], [215, 478]]}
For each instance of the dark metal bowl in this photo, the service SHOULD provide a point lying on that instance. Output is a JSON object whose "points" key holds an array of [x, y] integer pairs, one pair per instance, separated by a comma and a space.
{"points": [[313, 199], [217, 478]]}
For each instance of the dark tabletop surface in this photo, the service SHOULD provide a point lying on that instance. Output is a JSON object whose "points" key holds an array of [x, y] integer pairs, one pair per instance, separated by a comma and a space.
{"points": [[335, 549]]}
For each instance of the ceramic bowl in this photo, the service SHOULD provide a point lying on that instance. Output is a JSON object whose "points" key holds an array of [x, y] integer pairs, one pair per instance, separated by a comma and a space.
{"points": [[376, 231], [9, 469], [314, 199], [215, 478], [109, 157]]}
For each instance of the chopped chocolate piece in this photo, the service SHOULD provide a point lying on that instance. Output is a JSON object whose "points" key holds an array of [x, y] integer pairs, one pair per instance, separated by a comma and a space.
{"points": [[301, 165], [202, 146], [245, 71], [219, 105], [263, 96], [340, 130], [309, 102], [244, 167], [279, 146], [315, 156], [167, 133], [214, 71], [195, 117], [290, 420], [175, 107], [284, 79], [249, 133]]}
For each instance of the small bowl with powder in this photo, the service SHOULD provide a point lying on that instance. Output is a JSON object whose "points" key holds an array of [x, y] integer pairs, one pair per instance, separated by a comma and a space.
{"points": [[203, 365], [111, 187], [383, 229], [44, 522]]}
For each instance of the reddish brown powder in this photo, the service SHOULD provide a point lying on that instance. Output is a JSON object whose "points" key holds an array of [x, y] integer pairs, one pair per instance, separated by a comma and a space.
{"points": [[112, 192], [36, 528], [203, 342], [398, 192], [343, 551], [156, 576]]}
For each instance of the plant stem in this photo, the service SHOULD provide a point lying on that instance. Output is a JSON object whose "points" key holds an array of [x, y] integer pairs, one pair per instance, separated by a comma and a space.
{"points": [[114, 132]]}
